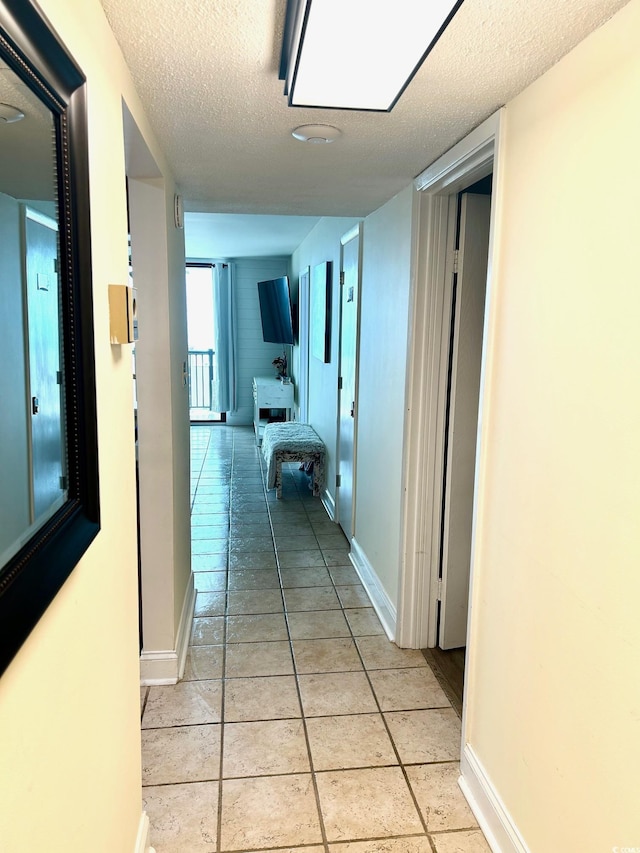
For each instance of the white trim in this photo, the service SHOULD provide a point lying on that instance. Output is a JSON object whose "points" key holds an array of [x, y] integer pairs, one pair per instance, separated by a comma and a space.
{"points": [[423, 446], [381, 602], [166, 666], [184, 628], [143, 840], [474, 157], [40, 218], [463, 163], [491, 813], [354, 232], [329, 504], [426, 383], [159, 667], [304, 297]]}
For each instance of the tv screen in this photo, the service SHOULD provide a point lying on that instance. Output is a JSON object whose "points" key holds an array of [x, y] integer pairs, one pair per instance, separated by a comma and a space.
{"points": [[275, 311]]}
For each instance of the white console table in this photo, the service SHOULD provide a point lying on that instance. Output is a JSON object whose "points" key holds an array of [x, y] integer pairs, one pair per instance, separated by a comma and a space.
{"points": [[270, 393]]}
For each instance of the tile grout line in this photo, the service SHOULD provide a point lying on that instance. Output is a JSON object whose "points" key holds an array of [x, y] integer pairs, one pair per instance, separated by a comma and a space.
{"points": [[219, 802], [224, 655], [400, 764], [352, 637], [144, 703], [222, 688], [384, 720], [204, 456], [314, 782], [224, 673]]}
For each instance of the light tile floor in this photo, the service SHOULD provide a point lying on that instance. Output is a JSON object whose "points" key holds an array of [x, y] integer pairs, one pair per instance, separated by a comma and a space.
{"points": [[298, 727]]}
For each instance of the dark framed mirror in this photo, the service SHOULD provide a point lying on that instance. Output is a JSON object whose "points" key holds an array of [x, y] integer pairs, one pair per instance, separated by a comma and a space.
{"points": [[49, 499]]}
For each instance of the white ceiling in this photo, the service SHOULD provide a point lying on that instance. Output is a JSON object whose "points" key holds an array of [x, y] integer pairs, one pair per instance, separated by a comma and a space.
{"points": [[240, 235], [27, 162], [207, 73]]}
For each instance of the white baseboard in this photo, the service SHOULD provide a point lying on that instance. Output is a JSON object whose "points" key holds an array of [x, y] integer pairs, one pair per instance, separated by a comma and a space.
{"points": [[143, 843], [159, 667], [166, 666], [329, 504], [381, 602], [491, 813], [184, 628]]}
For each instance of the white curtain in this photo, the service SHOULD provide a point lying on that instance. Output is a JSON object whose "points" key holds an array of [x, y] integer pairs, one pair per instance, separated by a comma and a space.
{"points": [[224, 376]]}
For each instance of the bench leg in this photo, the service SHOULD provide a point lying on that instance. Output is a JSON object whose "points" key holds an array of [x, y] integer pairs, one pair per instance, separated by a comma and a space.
{"points": [[279, 480], [318, 478]]}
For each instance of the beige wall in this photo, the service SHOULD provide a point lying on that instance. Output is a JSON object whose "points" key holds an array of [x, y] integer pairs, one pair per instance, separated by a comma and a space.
{"points": [[180, 427], [69, 702], [386, 277], [163, 422], [323, 244], [553, 700]]}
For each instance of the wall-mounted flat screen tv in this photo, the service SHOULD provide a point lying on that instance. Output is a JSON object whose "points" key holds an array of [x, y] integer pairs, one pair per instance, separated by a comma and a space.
{"points": [[275, 310]]}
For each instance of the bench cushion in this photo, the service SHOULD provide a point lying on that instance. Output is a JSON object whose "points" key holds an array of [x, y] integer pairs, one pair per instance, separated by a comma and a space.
{"points": [[297, 440]]}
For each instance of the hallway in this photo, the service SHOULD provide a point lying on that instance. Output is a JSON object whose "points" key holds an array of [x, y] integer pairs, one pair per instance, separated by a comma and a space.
{"points": [[298, 726]]}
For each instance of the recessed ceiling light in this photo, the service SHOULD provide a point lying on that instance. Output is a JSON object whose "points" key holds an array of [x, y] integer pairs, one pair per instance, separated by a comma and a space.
{"points": [[317, 133], [9, 114]]}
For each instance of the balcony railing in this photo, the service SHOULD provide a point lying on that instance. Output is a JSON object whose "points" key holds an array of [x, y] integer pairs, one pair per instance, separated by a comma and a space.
{"points": [[200, 368]]}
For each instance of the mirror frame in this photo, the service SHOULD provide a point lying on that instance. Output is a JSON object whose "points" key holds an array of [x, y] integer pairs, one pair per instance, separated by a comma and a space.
{"points": [[30, 580]]}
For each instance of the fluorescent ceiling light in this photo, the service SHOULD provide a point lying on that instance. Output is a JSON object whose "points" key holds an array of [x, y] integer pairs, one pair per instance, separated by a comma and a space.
{"points": [[357, 54]]}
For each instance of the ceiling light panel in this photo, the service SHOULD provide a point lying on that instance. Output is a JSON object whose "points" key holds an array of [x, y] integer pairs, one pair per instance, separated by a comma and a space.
{"points": [[355, 54]]}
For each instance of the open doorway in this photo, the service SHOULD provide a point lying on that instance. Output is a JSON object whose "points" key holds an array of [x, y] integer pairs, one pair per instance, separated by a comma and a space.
{"points": [[201, 366], [460, 169], [464, 359], [350, 271]]}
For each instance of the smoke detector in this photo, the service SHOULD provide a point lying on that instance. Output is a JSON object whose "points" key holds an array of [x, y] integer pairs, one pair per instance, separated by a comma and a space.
{"points": [[316, 133], [9, 114]]}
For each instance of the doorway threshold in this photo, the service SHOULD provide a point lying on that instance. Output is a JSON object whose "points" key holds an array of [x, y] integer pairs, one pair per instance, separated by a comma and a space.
{"points": [[448, 668]]}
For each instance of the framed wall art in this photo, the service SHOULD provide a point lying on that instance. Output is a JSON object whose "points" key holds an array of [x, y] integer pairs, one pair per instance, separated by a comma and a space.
{"points": [[320, 314]]}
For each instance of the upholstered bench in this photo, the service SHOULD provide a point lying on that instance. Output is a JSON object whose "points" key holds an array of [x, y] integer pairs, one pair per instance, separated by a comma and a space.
{"points": [[292, 442]]}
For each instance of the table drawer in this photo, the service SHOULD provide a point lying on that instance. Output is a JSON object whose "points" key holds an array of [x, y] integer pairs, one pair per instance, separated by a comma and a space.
{"points": [[273, 396], [269, 399]]}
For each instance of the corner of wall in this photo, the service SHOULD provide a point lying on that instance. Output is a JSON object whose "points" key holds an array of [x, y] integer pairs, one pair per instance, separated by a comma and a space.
{"points": [[143, 839], [167, 666]]}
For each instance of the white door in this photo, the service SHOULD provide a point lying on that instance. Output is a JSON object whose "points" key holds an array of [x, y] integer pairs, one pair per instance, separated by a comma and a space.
{"points": [[303, 339], [43, 319], [349, 301], [465, 362]]}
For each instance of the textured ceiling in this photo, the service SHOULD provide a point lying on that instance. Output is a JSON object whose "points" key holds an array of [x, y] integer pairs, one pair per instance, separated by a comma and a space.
{"points": [[207, 73], [27, 161]]}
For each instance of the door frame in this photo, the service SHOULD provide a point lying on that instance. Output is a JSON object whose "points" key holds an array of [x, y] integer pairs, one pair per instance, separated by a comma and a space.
{"points": [[461, 426], [28, 213], [304, 291], [351, 234], [473, 158]]}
